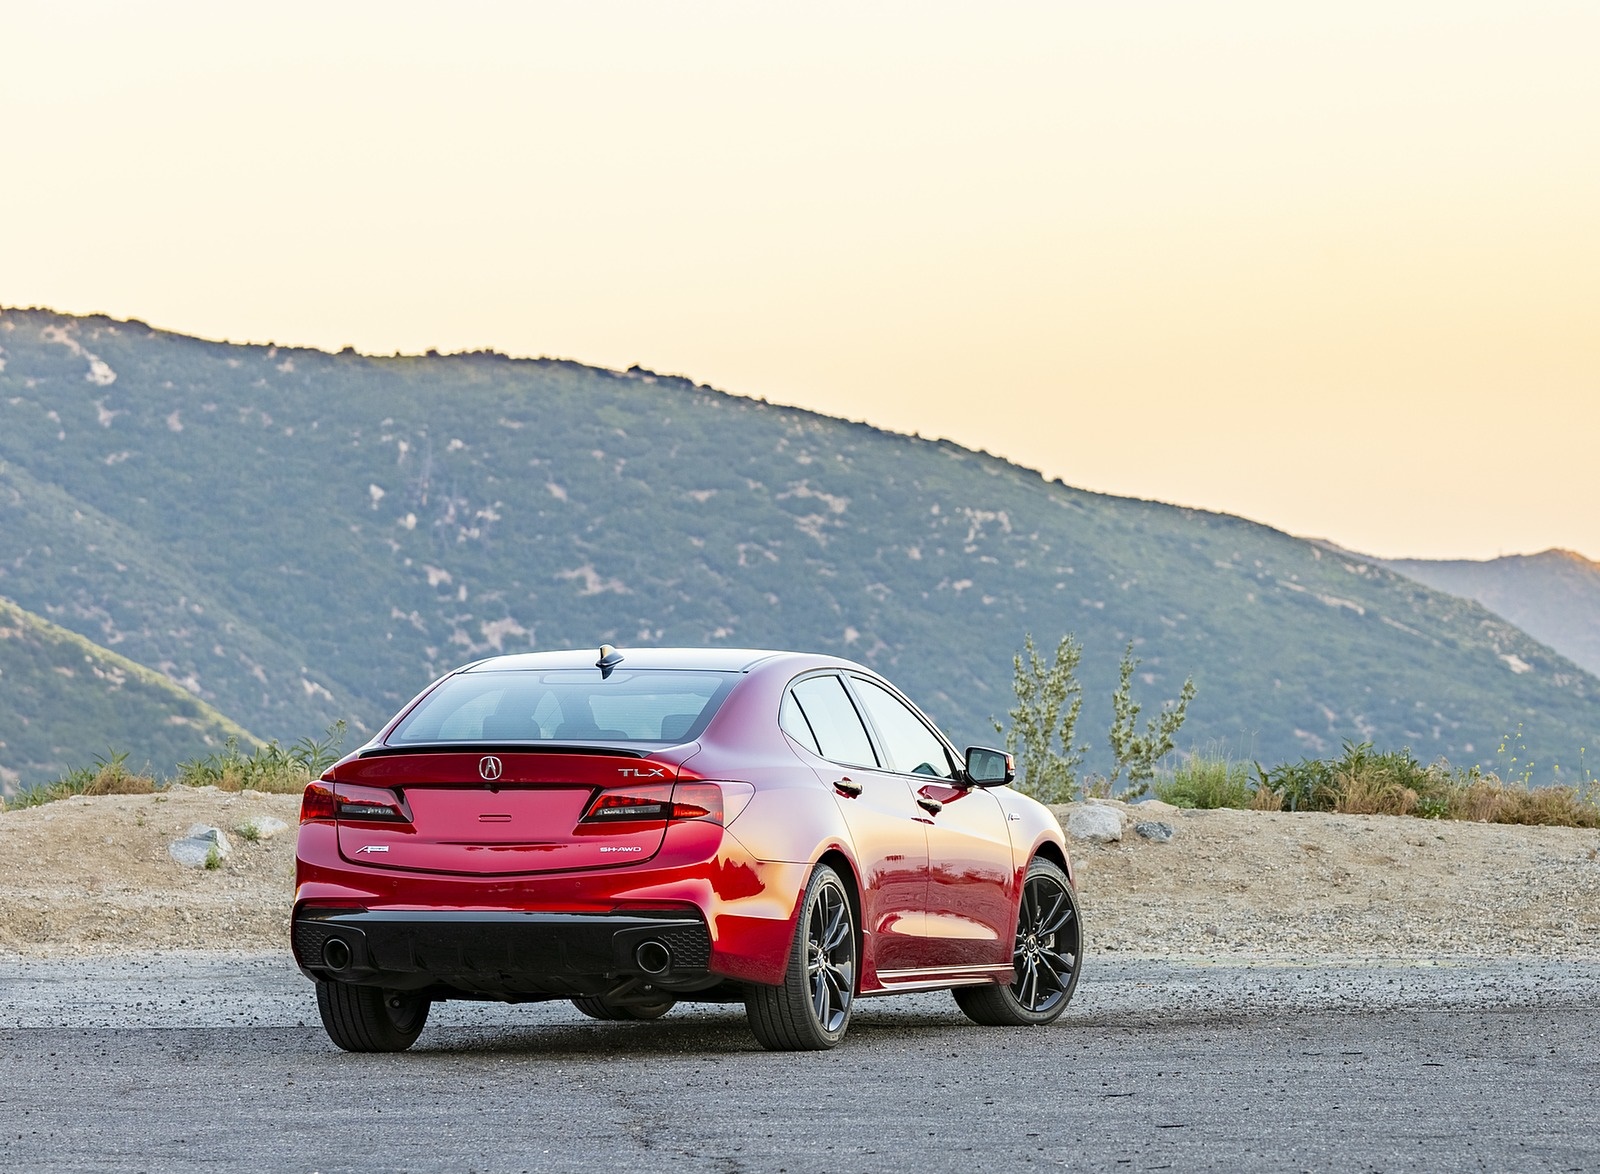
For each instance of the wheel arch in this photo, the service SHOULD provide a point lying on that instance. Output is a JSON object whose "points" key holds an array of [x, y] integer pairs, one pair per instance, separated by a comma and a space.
{"points": [[1051, 849], [836, 859]]}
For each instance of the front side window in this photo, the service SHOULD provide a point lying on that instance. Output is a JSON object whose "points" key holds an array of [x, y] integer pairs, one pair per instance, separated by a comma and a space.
{"points": [[833, 720], [525, 705], [912, 747]]}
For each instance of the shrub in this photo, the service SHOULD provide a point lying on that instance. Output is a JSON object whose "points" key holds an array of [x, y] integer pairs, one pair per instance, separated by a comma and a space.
{"points": [[1133, 752], [268, 768], [108, 776], [1049, 699], [1207, 781], [112, 777]]}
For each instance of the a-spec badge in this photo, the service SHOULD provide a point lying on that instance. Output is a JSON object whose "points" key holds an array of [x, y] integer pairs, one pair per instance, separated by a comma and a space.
{"points": [[489, 767], [373, 848]]}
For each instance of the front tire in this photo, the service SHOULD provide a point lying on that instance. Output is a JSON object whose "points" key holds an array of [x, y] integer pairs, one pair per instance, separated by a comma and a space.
{"points": [[1049, 947], [810, 1010], [370, 1019]]}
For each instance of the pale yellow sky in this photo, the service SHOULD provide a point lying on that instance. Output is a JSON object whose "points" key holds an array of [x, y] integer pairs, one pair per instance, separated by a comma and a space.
{"points": [[1332, 267]]}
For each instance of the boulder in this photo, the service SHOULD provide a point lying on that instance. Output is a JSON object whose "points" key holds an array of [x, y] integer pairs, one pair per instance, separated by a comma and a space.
{"points": [[1154, 809], [1158, 833], [196, 848], [1098, 824]]}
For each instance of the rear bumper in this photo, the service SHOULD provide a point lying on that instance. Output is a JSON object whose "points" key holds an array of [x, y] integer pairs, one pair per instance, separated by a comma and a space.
{"points": [[502, 953]]}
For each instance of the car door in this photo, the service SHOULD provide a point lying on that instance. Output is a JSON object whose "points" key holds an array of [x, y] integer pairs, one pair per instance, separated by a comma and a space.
{"points": [[890, 841], [971, 901]]}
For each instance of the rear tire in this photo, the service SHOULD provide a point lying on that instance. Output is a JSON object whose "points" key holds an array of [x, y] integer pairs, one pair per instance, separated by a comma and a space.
{"points": [[370, 1019], [1049, 946], [810, 1010], [600, 1007]]}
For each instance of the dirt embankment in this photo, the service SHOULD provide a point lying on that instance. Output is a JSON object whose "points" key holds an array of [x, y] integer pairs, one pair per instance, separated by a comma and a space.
{"points": [[94, 876]]}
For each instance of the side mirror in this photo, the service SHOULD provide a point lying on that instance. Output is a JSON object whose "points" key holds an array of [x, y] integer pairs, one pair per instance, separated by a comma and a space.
{"points": [[989, 768]]}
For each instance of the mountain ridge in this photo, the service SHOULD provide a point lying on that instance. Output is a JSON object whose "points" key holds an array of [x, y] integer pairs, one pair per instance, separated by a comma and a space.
{"points": [[368, 522], [1553, 595], [57, 683]]}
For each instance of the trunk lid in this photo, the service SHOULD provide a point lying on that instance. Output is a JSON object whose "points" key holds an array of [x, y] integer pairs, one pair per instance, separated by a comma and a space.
{"points": [[526, 819]]}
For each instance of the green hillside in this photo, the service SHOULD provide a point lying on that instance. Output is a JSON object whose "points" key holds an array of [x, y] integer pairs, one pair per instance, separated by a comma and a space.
{"points": [[64, 699], [300, 536], [1554, 596]]}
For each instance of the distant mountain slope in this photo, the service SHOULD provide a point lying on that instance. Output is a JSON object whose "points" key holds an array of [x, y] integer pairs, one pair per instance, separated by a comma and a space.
{"points": [[302, 536], [1553, 596], [63, 699]]}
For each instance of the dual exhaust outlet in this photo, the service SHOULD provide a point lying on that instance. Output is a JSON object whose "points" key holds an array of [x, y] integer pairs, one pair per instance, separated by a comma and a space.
{"points": [[653, 957]]}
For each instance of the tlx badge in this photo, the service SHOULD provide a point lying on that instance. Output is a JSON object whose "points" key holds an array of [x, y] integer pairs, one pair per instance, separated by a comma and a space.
{"points": [[651, 772]]}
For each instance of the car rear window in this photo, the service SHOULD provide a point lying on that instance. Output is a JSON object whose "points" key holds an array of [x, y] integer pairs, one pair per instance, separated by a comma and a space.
{"points": [[659, 705]]}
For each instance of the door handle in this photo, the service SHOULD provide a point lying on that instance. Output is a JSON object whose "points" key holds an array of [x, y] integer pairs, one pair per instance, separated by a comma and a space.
{"points": [[848, 786], [930, 805]]}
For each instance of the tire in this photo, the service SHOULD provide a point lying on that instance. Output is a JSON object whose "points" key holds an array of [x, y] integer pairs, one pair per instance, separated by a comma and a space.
{"points": [[370, 1019], [1047, 959], [810, 1010], [600, 1007]]}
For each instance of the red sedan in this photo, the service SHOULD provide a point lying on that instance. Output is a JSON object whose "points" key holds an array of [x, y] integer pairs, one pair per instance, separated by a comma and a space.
{"points": [[777, 829]]}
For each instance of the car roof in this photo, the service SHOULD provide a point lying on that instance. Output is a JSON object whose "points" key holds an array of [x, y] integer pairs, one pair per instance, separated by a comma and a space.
{"points": [[727, 660]]}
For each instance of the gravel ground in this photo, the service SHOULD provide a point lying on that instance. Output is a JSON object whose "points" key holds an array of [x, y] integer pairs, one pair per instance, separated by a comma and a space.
{"points": [[178, 989], [203, 1061]]}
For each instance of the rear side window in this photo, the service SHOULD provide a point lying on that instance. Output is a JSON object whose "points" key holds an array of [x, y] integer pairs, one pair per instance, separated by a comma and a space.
{"points": [[792, 722], [832, 718], [568, 705], [912, 747]]}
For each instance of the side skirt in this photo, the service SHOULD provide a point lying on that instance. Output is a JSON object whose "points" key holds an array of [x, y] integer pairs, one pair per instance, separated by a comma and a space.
{"points": [[894, 982]]}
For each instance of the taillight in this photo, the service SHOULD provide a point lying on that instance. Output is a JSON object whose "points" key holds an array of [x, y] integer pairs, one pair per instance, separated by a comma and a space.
{"points": [[701, 801], [697, 801], [324, 803], [370, 804], [632, 805], [317, 804]]}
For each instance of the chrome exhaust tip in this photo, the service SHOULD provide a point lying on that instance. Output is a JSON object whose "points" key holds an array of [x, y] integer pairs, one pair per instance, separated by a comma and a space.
{"points": [[653, 957]]}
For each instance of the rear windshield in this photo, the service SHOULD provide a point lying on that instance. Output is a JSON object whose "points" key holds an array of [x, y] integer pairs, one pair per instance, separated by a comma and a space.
{"points": [[566, 706]]}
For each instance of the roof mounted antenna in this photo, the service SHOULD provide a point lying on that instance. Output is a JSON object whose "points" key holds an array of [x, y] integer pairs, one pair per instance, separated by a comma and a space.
{"points": [[610, 658]]}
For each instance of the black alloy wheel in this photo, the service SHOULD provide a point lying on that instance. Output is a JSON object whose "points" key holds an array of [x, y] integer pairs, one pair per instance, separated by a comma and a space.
{"points": [[370, 1019], [811, 1009], [1046, 956]]}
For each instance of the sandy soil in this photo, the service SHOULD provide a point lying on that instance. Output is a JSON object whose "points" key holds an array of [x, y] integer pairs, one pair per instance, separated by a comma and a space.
{"points": [[93, 876], [1305, 886]]}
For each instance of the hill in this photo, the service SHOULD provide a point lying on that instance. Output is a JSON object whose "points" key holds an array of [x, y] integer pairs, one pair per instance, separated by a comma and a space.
{"points": [[64, 698], [299, 536], [1553, 596]]}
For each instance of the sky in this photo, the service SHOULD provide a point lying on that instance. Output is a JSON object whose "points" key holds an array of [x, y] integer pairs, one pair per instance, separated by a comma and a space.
{"points": [[1334, 267]]}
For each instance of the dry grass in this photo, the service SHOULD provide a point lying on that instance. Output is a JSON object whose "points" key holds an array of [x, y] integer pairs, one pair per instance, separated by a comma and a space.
{"points": [[1265, 798], [1489, 800], [1362, 781], [115, 779], [1371, 793]]}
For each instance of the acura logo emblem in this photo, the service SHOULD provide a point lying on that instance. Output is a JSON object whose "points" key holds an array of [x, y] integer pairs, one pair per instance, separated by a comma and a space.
{"points": [[489, 767]]}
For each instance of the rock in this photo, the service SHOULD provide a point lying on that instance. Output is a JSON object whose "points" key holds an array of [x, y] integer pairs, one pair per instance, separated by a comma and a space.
{"points": [[260, 827], [196, 848], [1097, 824], [1158, 833], [1147, 808]]}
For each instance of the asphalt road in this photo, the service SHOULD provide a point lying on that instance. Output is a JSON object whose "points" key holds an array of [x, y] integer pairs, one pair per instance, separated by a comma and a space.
{"points": [[174, 1062]]}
